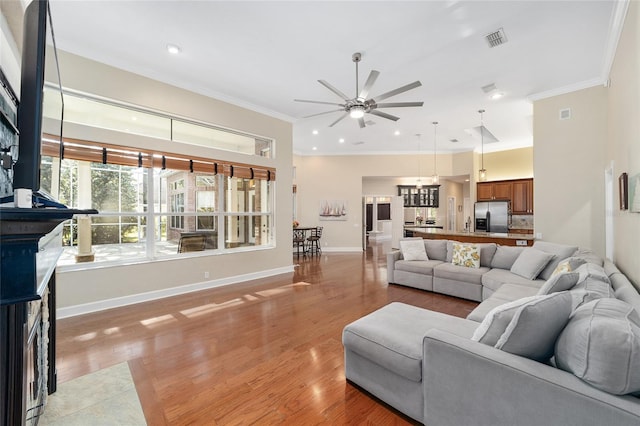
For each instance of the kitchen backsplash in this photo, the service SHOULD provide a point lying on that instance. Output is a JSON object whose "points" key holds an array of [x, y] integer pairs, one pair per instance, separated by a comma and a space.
{"points": [[524, 221]]}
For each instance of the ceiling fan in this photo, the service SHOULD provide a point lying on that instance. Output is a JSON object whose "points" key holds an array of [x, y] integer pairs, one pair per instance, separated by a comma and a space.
{"points": [[358, 106]]}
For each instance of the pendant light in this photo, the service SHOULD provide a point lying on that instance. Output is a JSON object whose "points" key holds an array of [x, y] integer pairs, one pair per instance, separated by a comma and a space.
{"points": [[419, 181], [435, 179], [482, 176]]}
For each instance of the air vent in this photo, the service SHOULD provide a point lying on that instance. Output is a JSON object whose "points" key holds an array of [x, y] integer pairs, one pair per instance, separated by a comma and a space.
{"points": [[496, 38], [454, 140], [489, 88]]}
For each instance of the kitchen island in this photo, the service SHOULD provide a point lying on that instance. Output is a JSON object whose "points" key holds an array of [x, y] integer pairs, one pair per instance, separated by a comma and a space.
{"points": [[505, 239]]}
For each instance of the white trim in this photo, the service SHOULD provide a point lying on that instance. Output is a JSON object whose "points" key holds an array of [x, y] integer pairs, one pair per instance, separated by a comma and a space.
{"points": [[597, 81], [615, 30], [117, 302], [341, 249]]}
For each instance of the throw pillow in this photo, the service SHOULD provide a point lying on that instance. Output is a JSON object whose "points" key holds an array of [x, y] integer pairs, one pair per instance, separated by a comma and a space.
{"points": [[495, 323], [601, 345], [535, 327], [568, 265], [505, 257], [559, 282], [530, 263], [561, 251], [413, 249], [467, 255]]}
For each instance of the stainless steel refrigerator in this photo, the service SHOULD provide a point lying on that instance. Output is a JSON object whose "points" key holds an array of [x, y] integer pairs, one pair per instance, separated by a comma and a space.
{"points": [[492, 216]]}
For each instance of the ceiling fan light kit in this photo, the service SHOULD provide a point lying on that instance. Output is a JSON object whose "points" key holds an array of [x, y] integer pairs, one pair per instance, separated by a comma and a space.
{"points": [[360, 105]]}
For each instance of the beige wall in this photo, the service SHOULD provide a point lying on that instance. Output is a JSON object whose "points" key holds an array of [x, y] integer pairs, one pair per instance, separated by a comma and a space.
{"points": [[89, 286], [510, 164], [340, 178], [569, 163], [624, 137]]}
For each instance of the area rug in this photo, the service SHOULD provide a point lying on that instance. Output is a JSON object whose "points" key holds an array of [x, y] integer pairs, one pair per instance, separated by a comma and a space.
{"points": [[104, 398]]}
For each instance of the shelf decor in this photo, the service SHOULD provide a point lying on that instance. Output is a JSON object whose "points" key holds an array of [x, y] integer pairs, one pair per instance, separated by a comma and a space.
{"points": [[623, 188]]}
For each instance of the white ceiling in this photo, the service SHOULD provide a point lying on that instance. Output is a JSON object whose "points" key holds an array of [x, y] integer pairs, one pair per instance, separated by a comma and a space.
{"points": [[264, 54]]}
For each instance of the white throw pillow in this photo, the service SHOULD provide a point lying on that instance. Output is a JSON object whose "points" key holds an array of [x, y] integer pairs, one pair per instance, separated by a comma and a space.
{"points": [[559, 282], [467, 255], [535, 327], [530, 263], [413, 249], [568, 265], [601, 345]]}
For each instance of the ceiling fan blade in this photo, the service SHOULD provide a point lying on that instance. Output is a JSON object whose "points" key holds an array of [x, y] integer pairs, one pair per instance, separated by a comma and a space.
{"points": [[322, 113], [384, 115], [339, 119], [318, 102], [399, 104], [373, 75], [361, 122], [397, 91], [334, 90]]}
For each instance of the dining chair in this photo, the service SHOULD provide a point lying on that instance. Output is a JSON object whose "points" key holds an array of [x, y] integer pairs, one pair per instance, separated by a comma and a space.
{"points": [[299, 240], [314, 240]]}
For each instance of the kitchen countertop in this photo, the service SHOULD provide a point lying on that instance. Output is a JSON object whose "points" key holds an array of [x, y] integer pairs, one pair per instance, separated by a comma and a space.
{"points": [[494, 235]]}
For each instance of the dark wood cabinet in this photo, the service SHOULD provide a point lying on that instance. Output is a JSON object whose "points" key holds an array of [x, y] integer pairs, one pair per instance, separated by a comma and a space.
{"points": [[491, 191], [522, 196], [518, 191], [427, 196]]}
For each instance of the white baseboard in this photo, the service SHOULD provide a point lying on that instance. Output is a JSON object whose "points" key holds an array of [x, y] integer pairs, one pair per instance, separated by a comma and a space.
{"points": [[116, 302]]}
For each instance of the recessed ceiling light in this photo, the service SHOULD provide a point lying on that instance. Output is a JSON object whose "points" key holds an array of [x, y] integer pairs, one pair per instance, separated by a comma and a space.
{"points": [[134, 118], [341, 140], [315, 132], [397, 132], [314, 148], [497, 95], [173, 49], [454, 140]]}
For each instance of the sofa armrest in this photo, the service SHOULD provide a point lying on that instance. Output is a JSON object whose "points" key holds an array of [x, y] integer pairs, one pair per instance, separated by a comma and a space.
{"points": [[392, 257], [466, 382]]}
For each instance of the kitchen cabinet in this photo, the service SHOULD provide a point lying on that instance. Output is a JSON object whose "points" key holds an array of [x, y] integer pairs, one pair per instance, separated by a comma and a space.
{"points": [[490, 191], [522, 196], [427, 196]]}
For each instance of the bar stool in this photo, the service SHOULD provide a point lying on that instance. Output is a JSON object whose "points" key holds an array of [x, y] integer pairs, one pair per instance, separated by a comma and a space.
{"points": [[314, 240]]}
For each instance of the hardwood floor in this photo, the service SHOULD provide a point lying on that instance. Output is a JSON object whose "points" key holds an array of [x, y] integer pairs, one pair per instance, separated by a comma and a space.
{"points": [[262, 352]]}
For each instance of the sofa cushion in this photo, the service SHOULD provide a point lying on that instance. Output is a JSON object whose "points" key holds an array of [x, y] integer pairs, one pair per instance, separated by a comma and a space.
{"points": [[496, 277], [505, 256], [392, 336], [530, 263], [417, 266], [589, 270], [460, 273], [487, 251], [497, 321], [533, 331], [436, 249], [561, 252], [506, 293], [559, 282], [467, 255], [413, 249], [596, 286], [601, 345]]}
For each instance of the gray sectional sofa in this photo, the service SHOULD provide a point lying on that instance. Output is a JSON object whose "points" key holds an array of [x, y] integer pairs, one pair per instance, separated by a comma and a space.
{"points": [[566, 351]]}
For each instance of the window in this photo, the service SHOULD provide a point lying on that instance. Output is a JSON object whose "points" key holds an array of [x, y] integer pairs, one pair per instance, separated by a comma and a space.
{"points": [[144, 212]]}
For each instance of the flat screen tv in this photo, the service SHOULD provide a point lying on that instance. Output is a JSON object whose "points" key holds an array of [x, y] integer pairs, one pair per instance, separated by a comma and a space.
{"points": [[27, 168]]}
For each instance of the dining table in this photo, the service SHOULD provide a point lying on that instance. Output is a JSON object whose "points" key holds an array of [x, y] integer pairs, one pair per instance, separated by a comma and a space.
{"points": [[305, 230]]}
